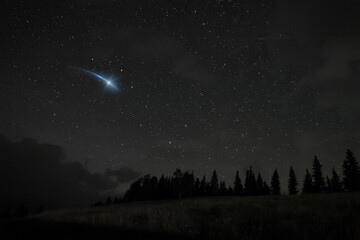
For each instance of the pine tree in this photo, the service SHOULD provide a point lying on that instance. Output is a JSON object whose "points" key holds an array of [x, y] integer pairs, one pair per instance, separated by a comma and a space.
{"points": [[238, 187], [161, 194], [197, 191], [250, 183], [307, 185], [335, 182], [351, 172], [214, 183], [292, 183], [222, 188], [177, 183], [259, 185], [153, 188], [275, 183], [203, 186], [188, 184], [319, 181]]}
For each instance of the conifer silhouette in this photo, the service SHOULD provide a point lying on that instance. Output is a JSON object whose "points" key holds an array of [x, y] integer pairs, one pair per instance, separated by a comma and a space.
{"points": [[238, 187], [275, 183], [318, 179], [351, 172], [214, 183], [250, 183], [335, 182], [307, 185], [292, 183], [259, 185], [203, 186]]}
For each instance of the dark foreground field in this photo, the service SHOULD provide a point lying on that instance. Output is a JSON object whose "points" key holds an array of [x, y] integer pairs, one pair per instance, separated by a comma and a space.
{"points": [[328, 216]]}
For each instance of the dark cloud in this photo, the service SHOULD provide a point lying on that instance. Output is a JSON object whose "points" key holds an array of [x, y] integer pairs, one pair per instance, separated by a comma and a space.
{"points": [[123, 175], [32, 174], [323, 47]]}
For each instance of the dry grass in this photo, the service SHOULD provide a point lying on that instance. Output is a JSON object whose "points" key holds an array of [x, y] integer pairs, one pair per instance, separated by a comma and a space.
{"points": [[323, 216]]}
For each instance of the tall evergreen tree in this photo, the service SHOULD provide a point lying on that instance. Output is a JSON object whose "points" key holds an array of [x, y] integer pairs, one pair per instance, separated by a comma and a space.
{"points": [[153, 188], [177, 183], [351, 172], [203, 186], [197, 191], [335, 182], [238, 187], [250, 183], [318, 179], [275, 183], [188, 184], [214, 183], [259, 185], [307, 185], [222, 188], [292, 183], [162, 191]]}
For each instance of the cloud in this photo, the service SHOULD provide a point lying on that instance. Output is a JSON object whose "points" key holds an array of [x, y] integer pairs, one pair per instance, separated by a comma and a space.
{"points": [[338, 77], [124, 174], [32, 174], [324, 51], [342, 58]]}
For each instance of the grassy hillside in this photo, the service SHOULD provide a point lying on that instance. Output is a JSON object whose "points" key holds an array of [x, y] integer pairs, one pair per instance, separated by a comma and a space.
{"points": [[323, 216]]}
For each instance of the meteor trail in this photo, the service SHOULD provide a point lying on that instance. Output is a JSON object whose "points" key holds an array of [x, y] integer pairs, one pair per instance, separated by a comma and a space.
{"points": [[108, 81]]}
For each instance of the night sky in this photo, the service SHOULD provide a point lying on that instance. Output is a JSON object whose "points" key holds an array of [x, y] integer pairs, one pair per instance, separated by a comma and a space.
{"points": [[203, 85]]}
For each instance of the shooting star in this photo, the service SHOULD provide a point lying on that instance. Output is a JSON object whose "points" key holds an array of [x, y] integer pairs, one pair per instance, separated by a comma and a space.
{"points": [[110, 83]]}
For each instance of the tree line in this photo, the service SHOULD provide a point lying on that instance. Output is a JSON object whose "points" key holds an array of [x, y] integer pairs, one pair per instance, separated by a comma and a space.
{"points": [[185, 184]]}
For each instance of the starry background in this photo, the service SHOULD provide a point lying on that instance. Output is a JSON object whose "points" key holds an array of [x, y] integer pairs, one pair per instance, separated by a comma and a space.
{"points": [[204, 84]]}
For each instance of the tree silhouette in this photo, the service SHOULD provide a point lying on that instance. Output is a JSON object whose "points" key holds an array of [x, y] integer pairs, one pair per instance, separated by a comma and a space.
{"points": [[197, 191], [222, 188], [250, 183], [214, 184], [109, 200], [203, 186], [153, 187], [318, 179], [177, 183], [335, 182], [133, 193], [307, 185], [208, 191], [275, 183], [238, 187], [292, 183], [230, 191], [162, 191], [40, 209], [351, 172], [259, 185], [188, 184]]}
